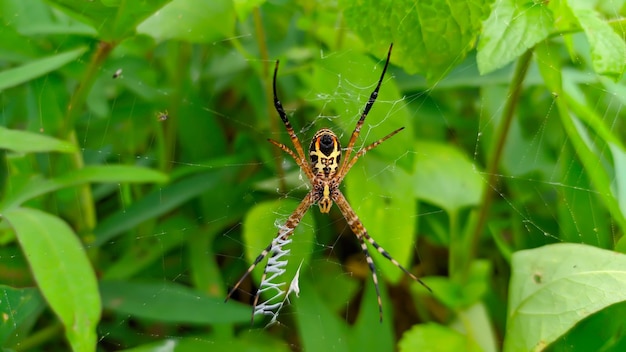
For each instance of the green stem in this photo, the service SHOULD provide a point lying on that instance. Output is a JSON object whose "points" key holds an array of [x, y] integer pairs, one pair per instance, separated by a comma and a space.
{"points": [[86, 221], [261, 40], [455, 258], [77, 101], [40, 337], [493, 164], [167, 130]]}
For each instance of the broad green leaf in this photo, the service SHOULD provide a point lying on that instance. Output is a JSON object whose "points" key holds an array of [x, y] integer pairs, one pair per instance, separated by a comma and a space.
{"points": [[114, 20], [513, 27], [171, 303], [89, 174], [344, 82], [37, 18], [378, 194], [598, 332], [579, 135], [149, 249], [244, 7], [18, 309], [361, 337], [556, 286], [435, 337], [455, 295], [315, 320], [63, 272], [476, 323], [161, 201], [250, 341], [429, 37], [446, 177], [608, 49], [261, 226], [335, 288], [579, 104], [29, 142], [195, 21], [575, 205], [619, 163], [39, 67]]}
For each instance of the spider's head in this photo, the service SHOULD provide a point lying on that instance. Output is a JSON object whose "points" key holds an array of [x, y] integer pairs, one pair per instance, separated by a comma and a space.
{"points": [[325, 153]]}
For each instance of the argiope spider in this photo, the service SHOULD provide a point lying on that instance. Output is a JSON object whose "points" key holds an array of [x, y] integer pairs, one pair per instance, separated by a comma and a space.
{"points": [[325, 173]]}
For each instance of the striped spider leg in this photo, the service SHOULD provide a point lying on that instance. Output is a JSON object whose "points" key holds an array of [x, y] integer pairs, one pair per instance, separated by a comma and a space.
{"points": [[325, 171]]}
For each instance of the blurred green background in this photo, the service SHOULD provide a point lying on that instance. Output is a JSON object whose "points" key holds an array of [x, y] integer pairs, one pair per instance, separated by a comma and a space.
{"points": [[137, 185]]}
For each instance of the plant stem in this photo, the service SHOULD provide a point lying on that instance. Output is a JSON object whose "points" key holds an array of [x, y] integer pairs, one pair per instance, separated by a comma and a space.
{"points": [[77, 101], [494, 163], [86, 221], [38, 338], [455, 258], [261, 40]]}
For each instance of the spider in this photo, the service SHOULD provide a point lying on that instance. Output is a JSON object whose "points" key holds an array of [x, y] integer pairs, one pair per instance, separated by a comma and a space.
{"points": [[325, 171]]}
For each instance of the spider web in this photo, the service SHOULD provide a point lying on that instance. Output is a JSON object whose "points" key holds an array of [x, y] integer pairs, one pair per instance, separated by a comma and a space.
{"points": [[337, 89]]}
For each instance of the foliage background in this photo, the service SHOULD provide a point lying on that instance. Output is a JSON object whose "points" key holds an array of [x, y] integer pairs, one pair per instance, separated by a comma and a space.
{"points": [[137, 185]]}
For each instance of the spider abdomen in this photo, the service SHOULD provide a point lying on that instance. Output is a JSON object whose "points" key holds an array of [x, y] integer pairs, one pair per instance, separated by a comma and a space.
{"points": [[324, 193], [325, 152]]}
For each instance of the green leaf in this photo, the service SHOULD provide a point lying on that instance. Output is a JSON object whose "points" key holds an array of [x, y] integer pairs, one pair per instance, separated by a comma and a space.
{"points": [[115, 19], [456, 295], [579, 134], [195, 21], [556, 286], [361, 337], [37, 18], [513, 27], [477, 325], [430, 37], [22, 74], [244, 7], [314, 319], [101, 173], [619, 163], [608, 49], [598, 332], [170, 303], [250, 341], [378, 194], [29, 142], [63, 272], [18, 309], [150, 249], [260, 227], [435, 337], [161, 201], [345, 86], [335, 288], [446, 177]]}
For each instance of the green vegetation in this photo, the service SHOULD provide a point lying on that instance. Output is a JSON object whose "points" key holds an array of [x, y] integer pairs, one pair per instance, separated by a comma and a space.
{"points": [[137, 185]]}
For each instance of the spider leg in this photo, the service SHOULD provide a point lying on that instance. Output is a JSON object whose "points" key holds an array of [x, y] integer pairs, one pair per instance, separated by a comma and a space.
{"points": [[254, 264], [348, 165], [366, 110], [283, 116], [361, 233], [284, 232], [305, 167], [370, 262], [385, 254]]}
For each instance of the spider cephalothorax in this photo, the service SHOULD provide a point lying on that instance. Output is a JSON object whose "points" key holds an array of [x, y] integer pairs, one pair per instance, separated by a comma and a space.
{"points": [[325, 153], [325, 173]]}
